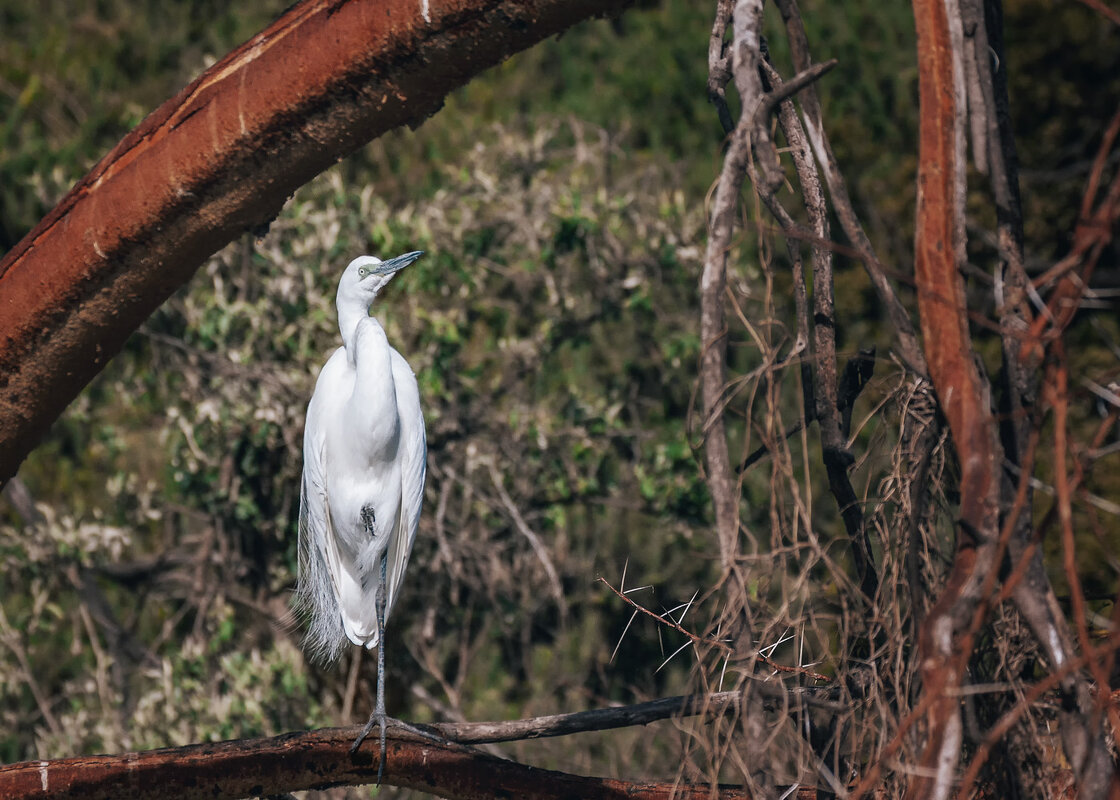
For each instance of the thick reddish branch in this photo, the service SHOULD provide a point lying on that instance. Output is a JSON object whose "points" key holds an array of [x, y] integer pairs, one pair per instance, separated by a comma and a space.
{"points": [[961, 391], [222, 157], [318, 760], [941, 297]]}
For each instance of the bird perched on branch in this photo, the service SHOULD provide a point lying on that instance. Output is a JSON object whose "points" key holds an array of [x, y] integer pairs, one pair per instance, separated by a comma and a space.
{"points": [[364, 454]]}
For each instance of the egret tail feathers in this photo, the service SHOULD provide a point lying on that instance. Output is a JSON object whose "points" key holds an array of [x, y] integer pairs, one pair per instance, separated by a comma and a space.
{"points": [[316, 596]]}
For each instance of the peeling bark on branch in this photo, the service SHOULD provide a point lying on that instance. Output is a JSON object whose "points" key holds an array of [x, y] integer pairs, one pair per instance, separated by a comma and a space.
{"points": [[313, 760], [220, 158], [322, 759], [908, 347], [961, 390], [713, 327]]}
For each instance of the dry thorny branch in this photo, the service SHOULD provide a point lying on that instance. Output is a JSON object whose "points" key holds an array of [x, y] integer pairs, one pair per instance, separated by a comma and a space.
{"points": [[976, 599]]}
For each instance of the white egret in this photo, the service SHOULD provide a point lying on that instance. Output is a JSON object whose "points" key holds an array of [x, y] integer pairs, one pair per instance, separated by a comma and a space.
{"points": [[364, 453]]}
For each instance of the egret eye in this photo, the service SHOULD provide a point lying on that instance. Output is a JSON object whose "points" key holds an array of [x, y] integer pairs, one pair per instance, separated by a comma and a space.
{"points": [[362, 272]]}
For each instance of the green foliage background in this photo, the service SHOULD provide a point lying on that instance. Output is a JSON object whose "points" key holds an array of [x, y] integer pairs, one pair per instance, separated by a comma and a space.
{"points": [[553, 328]]}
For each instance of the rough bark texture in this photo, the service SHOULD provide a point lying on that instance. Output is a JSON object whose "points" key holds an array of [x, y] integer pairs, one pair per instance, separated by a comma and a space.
{"points": [[319, 760], [909, 348], [713, 328], [222, 157], [962, 392]]}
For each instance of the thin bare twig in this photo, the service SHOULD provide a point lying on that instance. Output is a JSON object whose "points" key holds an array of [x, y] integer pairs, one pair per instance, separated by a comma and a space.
{"points": [[11, 640], [1032, 695], [713, 329], [719, 66], [534, 541], [824, 382], [909, 349], [711, 642]]}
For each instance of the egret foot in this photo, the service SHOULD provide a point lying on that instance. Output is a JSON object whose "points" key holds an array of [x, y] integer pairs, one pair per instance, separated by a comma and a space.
{"points": [[396, 723], [378, 717], [415, 731], [381, 721], [373, 720]]}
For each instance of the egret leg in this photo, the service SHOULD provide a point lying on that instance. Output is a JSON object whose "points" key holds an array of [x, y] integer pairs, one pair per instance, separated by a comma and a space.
{"points": [[378, 716], [380, 710]]}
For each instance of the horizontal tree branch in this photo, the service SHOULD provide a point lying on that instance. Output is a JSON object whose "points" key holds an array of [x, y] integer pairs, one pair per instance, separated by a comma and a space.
{"points": [[596, 719], [221, 158], [321, 759], [309, 760]]}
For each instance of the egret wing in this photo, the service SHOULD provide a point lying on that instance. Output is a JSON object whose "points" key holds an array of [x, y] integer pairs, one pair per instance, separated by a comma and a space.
{"points": [[414, 464], [317, 592]]}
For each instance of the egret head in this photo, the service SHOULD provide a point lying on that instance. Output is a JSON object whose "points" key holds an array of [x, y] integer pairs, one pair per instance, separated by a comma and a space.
{"points": [[367, 275]]}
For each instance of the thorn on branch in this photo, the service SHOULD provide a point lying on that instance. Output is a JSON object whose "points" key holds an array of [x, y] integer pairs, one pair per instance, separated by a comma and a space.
{"points": [[698, 640]]}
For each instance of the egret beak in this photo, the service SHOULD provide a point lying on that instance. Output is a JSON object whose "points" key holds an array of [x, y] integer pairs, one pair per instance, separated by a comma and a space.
{"points": [[396, 264]]}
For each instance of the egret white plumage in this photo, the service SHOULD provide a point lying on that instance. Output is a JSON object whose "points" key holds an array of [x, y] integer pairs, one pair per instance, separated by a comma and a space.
{"points": [[364, 454]]}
